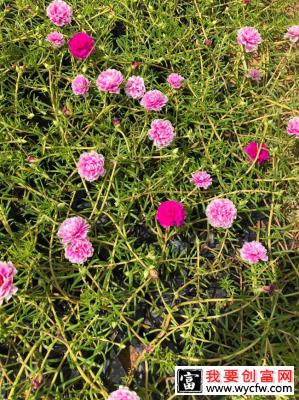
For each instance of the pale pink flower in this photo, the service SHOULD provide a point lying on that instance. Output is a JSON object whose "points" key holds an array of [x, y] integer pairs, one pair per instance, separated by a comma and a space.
{"points": [[171, 213], [109, 81], [59, 12], [135, 87], [254, 74], [91, 166], [249, 37], [201, 179], [7, 273], [175, 80], [293, 33], [80, 85], [253, 252], [161, 132], [221, 213], [56, 39], [78, 251], [123, 393], [73, 228], [293, 127], [154, 100]]}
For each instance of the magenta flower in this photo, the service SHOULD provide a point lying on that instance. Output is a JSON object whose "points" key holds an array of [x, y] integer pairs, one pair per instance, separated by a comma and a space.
{"points": [[161, 132], [201, 179], [292, 33], [91, 166], [293, 127], [78, 251], [59, 12], [254, 74], [109, 81], [249, 37], [221, 213], [171, 213], [154, 100], [135, 87], [80, 85], [7, 273], [175, 80], [56, 39], [253, 252], [73, 228], [253, 149], [81, 45], [123, 393]]}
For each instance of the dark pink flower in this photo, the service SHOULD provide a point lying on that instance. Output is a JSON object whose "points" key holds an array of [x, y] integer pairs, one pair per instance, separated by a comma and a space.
{"points": [[171, 213], [81, 45], [253, 149]]}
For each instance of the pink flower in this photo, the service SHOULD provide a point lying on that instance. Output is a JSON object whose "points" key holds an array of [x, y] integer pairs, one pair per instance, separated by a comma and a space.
{"points": [[81, 45], [201, 179], [293, 127], [7, 273], [253, 149], [221, 213], [78, 251], [293, 33], [246, 2], [249, 37], [161, 132], [135, 87], [91, 166], [171, 213], [80, 85], [123, 393], [175, 80], [154, 100], [109, 81], [66, 111], [59, 12], [253, 252], [254, 74], [56, 39], [73, 228]]}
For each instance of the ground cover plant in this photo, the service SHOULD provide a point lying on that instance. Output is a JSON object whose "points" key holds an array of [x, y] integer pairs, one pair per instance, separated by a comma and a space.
{"points": [[142, 230]]}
